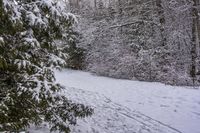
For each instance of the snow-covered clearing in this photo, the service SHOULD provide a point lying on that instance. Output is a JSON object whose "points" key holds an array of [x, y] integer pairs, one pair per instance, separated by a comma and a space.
{"points": [[124, 106]]}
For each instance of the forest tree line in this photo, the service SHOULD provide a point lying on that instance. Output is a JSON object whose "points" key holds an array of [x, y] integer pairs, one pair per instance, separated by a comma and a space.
{"points": [[141, 39]]}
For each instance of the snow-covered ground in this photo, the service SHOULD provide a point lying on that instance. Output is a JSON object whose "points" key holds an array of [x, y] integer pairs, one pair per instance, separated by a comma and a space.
{"points": [[124, 106]]}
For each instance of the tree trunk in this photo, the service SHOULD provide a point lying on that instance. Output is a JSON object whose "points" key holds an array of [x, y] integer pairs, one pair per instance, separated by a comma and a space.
{"points": [[95, 4], [119, 6], [195, 40], [161, 16]]}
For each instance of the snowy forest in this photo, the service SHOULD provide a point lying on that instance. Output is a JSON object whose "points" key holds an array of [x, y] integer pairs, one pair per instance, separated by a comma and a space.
{"points": [[141, 39], [100, 66]]}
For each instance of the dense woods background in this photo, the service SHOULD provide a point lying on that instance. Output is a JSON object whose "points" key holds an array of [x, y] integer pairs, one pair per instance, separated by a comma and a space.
{"points": [[141, 39]]}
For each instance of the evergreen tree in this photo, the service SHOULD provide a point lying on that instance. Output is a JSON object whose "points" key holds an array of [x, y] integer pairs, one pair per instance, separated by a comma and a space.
{"points": [[29, 30], [75, 54]]}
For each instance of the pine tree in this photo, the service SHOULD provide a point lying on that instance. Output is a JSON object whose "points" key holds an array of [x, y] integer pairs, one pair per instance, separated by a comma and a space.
{"points": [[29, 30]]}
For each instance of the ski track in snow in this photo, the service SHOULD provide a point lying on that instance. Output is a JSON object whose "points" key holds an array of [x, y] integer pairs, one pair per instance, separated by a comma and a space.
{"points": [[110, 117], [124, 106]]}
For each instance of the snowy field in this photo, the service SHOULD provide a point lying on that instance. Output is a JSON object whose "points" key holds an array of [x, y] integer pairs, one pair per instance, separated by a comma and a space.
{"points": [[124, 106]]}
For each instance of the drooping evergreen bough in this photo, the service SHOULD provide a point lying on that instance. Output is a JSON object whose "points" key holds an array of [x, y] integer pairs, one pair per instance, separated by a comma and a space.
{"points": [[29, 94]]}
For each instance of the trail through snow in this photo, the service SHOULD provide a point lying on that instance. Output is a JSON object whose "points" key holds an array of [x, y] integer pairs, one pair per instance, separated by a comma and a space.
{"points": [[124, 106]]}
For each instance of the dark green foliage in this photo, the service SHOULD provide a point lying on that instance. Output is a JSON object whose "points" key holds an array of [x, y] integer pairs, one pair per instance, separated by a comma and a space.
{"points": [[75, 54]]}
